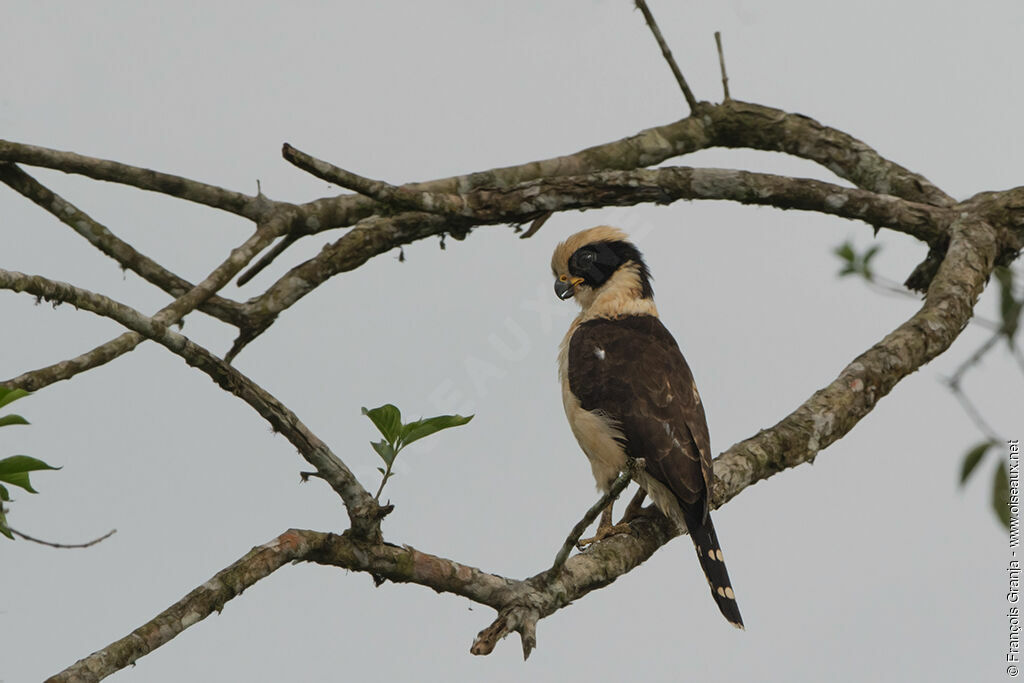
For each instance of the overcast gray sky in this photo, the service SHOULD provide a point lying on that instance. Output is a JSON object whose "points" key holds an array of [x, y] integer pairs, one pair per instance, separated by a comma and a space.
{"points": [[870, 565]]}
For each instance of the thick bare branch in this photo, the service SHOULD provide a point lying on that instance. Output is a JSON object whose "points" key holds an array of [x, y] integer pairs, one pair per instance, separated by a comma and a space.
{"points": [[646, 148], [456, 214], [665, 185], [253, 208], [364, 512], [742, 124], [103, 239], [730, 124]]}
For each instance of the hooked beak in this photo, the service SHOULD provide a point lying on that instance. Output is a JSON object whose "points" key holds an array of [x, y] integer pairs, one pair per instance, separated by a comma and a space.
{"points": [[565, 288]]}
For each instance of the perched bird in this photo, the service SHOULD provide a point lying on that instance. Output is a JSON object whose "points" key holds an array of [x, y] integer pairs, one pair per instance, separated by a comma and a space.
{"points": [[628, 391]]}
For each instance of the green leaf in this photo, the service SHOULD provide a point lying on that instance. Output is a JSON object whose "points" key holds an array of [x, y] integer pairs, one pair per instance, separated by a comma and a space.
{"points": [[385, 450], [1001, 495], [387, 419], [3, 525], [11, 395], [4, 495], [845, 252], [23, 463], [866, 262], [414, 431], [1009, 307], [972, 458], [12, 420], [854, 263], [14, 470]]}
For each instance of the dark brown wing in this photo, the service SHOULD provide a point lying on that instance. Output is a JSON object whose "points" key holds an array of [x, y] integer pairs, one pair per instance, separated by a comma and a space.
{"points": [[631, 369]]}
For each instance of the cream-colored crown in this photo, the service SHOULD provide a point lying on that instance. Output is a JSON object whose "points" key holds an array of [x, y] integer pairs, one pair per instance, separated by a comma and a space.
{"points": [[602, 233]]}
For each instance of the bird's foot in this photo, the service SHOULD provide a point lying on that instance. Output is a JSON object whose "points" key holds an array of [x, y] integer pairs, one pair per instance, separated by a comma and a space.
{"points": [[604, 532]]}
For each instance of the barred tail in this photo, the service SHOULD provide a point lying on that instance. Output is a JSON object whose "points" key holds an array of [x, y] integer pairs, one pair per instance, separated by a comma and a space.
{"points": [[709, 552]]}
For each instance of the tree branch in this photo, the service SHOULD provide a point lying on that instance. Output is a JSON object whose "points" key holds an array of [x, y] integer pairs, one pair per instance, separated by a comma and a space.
{"points": [[253, 208], [667, 185], [646, 148], [730, 124], [457, 214], [736, 124], [661, 186]]}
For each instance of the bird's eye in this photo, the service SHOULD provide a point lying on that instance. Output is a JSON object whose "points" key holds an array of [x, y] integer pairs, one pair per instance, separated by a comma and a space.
{"points": [[587, 256]]}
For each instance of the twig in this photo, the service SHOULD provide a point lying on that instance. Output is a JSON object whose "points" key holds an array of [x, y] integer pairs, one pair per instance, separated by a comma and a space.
{"points": [[378, 190], [267, 259], [884, 285], [617, 487], [667, 53], [974, 359], [536, 225], [51, 544], [721, 64], [953, 382], [1018, 356], [973, 413]]}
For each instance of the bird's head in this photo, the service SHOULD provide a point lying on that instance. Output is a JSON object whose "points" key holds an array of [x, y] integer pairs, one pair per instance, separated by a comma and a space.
{"points": [[601, 266]]}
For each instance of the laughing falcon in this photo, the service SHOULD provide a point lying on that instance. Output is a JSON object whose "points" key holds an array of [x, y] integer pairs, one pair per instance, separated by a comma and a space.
{"points": [[628, 391]]}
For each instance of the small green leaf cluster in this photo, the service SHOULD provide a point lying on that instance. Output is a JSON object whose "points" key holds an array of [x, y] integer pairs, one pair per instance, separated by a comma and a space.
{"points": [[397, 435], [15, 469], [856, 263], [1000, 479]]}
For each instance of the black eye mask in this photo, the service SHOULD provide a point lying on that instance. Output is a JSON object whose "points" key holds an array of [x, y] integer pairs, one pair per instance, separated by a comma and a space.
{"points": [[595, 263]]}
